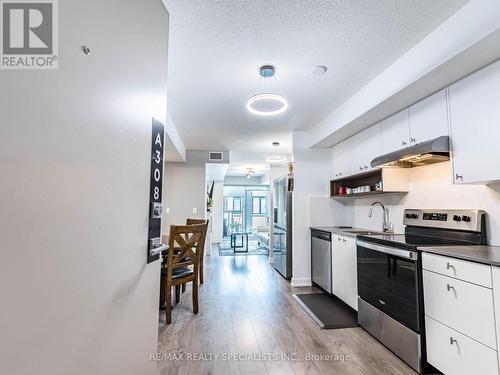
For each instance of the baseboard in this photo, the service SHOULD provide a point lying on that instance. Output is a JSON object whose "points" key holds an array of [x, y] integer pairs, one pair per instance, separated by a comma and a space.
{"points": [[301, 281]]}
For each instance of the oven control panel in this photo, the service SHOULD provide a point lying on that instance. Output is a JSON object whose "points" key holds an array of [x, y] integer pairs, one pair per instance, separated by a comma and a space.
{"points": [[434, 216], [448, 219]]}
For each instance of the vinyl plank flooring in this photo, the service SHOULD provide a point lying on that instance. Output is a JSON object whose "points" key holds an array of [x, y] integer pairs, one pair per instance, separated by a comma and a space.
{"points": [[246, 307]]}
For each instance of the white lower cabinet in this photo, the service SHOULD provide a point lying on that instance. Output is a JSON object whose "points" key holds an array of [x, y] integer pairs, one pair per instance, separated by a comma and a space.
{"points": [[456, 354], [460, 309], [459, 269], [338, 284], [351, 273], [466, 307], [495, 274], [344, 270]]}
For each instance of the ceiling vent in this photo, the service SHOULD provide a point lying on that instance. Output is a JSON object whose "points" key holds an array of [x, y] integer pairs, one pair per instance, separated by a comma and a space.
{"points": [[215, 156]]}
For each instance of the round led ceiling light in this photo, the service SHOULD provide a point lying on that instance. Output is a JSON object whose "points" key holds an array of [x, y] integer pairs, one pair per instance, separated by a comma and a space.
{"points": [[267, 104]]}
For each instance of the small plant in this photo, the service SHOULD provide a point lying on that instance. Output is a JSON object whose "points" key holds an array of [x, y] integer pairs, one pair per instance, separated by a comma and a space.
{"points": [[210, 199]]}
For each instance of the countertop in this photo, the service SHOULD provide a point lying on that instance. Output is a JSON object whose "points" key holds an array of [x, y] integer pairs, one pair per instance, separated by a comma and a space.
{"points": [[476, 253], [346, 231]]}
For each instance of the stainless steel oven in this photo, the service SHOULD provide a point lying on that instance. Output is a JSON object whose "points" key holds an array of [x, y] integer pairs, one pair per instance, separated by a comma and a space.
{"points": [[390, 295], [388, 280]]}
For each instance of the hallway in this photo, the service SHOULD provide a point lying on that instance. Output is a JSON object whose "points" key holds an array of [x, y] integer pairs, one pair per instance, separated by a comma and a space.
{"points": [[246, 307]]}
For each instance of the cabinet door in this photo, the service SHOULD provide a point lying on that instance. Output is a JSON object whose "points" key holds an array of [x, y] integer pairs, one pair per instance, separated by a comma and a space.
{"points": [[341, 159], [338, 284], [475, 126], [428, 118], [453, 302], [495, 273], [456, 354], [351, 273], [365, 146], [395, 132]]}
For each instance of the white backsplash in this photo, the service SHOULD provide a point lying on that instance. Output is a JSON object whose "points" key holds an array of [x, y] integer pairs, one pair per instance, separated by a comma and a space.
{"points": [[430, 187]]}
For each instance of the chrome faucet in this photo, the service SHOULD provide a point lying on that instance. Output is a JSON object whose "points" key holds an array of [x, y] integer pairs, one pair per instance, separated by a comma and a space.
{"points": [[385, 224]]}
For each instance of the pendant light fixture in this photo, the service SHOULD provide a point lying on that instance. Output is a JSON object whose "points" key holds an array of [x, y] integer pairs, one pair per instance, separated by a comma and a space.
{"points": [[249, 173], [267, 104]]}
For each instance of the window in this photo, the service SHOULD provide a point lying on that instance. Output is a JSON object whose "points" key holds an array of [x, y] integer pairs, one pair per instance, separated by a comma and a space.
{"points": [[259, 205], [233, 204]]}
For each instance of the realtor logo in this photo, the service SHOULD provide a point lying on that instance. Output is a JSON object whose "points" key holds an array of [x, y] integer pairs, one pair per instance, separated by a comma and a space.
{"points": [[29, 34]]}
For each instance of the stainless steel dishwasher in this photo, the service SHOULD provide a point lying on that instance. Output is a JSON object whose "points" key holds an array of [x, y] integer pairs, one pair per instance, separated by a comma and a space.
{"points": [[321, 259]]}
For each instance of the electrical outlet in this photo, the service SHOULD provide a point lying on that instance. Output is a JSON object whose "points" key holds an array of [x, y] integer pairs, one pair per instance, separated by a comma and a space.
{"points": [[195, 211], [167, 210]]}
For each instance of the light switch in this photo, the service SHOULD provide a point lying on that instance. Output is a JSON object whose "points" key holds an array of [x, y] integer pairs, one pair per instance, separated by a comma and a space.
{"points": [[195, 211], [167, 210]]}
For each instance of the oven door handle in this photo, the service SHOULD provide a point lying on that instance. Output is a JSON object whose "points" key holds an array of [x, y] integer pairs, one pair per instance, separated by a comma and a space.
{"points": [[388, 250]]}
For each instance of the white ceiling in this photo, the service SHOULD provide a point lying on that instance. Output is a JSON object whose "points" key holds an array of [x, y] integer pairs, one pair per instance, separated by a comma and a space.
{"points": [[217, 46], [240, 169]]}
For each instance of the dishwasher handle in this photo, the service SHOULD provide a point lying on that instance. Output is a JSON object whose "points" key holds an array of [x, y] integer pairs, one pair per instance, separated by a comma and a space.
{"points": [[325, 236]]}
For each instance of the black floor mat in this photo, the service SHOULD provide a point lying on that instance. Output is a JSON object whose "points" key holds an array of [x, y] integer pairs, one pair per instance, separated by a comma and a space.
{"points": [[328, 311]]}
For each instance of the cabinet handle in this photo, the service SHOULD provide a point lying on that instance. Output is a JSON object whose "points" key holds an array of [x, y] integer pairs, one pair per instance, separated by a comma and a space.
{"points": [[452, 341], [340, 173], [449, 287], [344, 240], [449, 265], [361, 168], [459, 177], [336, 174], [366, 167], [413, 140], [403, 143]]}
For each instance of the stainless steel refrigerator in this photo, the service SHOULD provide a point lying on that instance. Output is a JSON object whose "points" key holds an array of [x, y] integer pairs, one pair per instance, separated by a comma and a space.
{"points": [[282, 227]]}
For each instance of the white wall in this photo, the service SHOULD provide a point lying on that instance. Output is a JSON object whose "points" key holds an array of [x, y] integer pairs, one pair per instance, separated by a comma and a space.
{"points": [[183, 190], [175, 151], [244, 181], [311, 172], [430, 187], [75, 143], [217, 212]]}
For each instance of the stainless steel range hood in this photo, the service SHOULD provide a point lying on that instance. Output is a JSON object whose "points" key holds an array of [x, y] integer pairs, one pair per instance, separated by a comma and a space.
{"points": [[430, 152]]}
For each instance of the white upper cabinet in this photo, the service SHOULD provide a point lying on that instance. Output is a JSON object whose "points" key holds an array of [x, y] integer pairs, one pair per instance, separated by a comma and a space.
{"points": [[428, 118], [395, 132], [341, 159], [365, 146], [475, 126]]}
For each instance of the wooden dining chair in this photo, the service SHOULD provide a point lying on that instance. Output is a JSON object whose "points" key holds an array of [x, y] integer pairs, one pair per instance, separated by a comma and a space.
{"points": [[185, 245], [202, 253]]}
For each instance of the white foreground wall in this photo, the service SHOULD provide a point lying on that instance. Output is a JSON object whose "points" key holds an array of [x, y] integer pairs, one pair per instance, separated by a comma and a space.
{"points": [[75, 147], [311, 173]]}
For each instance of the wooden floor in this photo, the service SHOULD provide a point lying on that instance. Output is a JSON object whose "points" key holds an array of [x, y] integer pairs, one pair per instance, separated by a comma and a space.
{"points": [[247, 308]]}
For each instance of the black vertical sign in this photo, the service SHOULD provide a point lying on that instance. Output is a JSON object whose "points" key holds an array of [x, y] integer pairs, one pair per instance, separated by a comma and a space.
{"points": [[156, 179]]}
